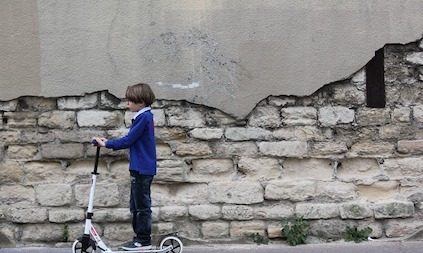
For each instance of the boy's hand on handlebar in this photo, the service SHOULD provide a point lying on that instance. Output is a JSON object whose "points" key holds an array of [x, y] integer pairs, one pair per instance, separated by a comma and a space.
{"points": [[99, 141]]}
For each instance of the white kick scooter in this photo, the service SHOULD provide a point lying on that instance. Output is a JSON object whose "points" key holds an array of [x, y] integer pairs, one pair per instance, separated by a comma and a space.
{"points": [[90, 241]]}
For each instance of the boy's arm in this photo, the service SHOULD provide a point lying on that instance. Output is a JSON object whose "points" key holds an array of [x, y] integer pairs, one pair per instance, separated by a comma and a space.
{"points": [[134, 133]]}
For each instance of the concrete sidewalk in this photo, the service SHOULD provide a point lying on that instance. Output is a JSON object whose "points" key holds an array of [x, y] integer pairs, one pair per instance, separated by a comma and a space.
{"points": [[336, 247]]}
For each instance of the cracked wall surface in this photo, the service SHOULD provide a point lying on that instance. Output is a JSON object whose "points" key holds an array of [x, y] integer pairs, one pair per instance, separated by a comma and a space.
{"points": [[220, 53]]}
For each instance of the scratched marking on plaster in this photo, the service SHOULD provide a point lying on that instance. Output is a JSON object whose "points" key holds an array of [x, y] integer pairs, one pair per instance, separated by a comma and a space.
{"points": [[180, 86], [213, 65]]}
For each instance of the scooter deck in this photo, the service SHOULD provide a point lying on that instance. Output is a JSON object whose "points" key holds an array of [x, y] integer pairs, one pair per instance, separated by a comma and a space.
{"points": [[168, 248]]}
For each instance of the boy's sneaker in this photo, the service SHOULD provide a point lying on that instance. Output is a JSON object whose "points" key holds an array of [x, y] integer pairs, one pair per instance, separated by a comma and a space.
{"points": [[133, 246]]}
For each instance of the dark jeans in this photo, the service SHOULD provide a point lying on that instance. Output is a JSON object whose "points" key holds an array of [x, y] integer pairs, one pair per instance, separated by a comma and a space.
{"points": [[140, 207]]}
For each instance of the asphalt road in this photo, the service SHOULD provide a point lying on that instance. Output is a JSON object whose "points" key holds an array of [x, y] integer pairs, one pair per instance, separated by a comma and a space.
{"points": [[364, 247]]}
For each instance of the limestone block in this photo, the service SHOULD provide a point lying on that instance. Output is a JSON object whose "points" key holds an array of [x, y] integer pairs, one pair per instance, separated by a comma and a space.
{"points": [[26, 215], [273, 212], [393, 209], [163, 228], [313, 133], [287, 189], [237, 212], [402, 227], [10, 172], [274, 230], [57, 119], [218, 118], [172, 213], [327, 149], [265, 116], [215, 229], [67, 215], [185, 117], [335, 191], [349, 95], [396, 168], [112, 215], [372, 149], [355, 210], [235, 149], [350, 170], [373, 116], [329, 229], [81, 170], [317, 210], [97, 118], [159, 117], [119, 171], [194, 149], [320, 169], [16, 194], [285, 133], [43, 172], [21, 119], [109, 101], [208, 170], [66, 151], [164, 134], [106, 195], [259, 168], [284, 148], [118, 232], [22, 152], [77, 103], [418, 113], [396, 131], [249, 133], [38, 104], [188, 229], [163, 151], [7, 137], [236, 192], [8, 235], [77, 135], [401, 114], [53, 194], [171, 171], [379, 190], [182, 194], [410, 146], [281, 101], [207, 133], [242, 229], [43, 233], [377, 227], [31, 136], [205, 212], [292, 116], [415, 58], [8, 106], [334, 115]]}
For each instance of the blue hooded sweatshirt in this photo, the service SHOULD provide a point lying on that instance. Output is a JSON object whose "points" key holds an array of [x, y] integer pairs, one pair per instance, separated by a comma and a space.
{"points": [[141, 143]]}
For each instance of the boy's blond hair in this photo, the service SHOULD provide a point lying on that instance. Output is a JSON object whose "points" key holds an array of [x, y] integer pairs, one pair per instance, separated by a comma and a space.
{"points": [[140, 93]]}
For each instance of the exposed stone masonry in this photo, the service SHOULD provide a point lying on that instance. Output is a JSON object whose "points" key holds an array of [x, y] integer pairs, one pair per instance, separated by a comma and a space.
{"points": [[326, 157]]}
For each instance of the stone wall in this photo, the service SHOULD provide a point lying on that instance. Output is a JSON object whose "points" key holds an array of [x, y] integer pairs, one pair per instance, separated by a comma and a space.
{"points": [[326, 157]]}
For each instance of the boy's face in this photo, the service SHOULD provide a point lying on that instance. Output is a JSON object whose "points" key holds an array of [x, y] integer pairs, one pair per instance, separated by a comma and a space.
{"points": [[135, 107]]}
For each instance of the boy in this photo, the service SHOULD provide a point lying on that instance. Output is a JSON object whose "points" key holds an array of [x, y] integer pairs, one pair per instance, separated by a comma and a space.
{"points": [[142, 162]]}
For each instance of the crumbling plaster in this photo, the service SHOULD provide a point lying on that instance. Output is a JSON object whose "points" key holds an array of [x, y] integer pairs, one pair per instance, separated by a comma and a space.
{"points": [[227, 54]]}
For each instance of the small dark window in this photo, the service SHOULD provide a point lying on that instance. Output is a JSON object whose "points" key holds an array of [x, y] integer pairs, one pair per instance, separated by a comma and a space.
{"points": [[375, 80]]}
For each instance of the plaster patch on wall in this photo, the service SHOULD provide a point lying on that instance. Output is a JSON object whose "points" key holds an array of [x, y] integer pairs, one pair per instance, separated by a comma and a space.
{"points": [[180, 86]]}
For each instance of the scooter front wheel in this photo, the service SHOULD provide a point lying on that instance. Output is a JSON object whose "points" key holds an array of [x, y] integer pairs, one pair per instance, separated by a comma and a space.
{"points": [[77, 248], [173, 241]]}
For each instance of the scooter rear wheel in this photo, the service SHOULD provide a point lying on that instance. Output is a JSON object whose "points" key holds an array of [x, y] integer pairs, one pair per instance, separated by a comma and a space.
{"points": [[173, 241], [77, 248]]}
